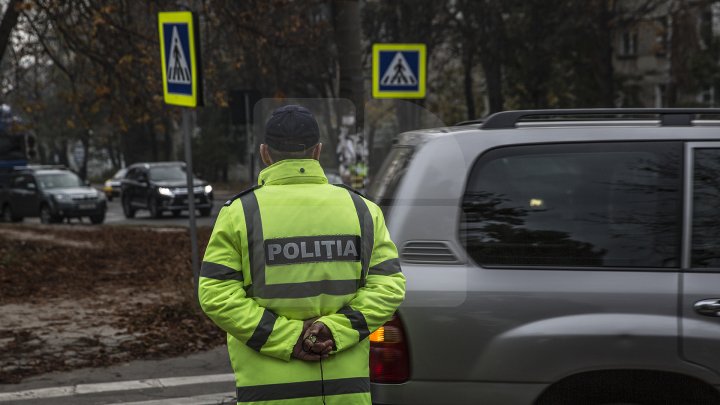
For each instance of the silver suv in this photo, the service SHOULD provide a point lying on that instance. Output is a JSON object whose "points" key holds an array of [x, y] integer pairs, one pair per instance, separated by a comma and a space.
{"points": [[555, 257]]}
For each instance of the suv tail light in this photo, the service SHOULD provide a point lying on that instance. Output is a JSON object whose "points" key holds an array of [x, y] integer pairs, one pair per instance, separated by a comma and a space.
{"points": [[389, 354]]}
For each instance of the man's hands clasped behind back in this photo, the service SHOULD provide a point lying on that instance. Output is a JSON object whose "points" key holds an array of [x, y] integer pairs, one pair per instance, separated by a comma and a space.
{"points": [[314, 343]]}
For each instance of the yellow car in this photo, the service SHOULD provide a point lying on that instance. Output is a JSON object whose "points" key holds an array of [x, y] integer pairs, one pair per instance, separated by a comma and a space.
{"points": [[112, 185]]}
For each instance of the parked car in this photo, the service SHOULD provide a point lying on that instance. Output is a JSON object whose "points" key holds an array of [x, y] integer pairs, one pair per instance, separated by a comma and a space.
{"points": [[563, 257], [50, 193], [162, 186], [112, 185]]}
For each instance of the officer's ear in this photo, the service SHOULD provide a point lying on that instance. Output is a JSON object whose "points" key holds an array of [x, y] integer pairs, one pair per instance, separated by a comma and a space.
{"points": [[265, 154], [316, 151]]}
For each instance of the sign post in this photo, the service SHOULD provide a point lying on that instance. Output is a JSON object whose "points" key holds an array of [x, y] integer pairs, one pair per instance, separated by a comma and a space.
{"points": [[182, 86]]}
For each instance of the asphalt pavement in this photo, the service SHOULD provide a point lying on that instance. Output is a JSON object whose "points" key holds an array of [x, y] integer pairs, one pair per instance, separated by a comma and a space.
{"points": [[115, 216]]}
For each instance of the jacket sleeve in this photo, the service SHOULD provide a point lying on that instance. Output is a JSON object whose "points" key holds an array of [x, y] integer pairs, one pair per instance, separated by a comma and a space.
{"points": [[223, 298], [376, 301]]}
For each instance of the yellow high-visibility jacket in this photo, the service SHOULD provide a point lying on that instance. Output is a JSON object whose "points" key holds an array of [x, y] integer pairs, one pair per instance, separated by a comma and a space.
{"points": [[290, 249]]}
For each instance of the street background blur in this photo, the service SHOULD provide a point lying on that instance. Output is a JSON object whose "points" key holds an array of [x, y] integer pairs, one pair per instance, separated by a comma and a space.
{"points": [[84, 79]]}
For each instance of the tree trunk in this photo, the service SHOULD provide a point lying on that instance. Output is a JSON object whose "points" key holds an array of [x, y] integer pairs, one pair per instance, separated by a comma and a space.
{"points": [[607, 72], [7, 24], [85, 141], [346, 21], [468, 82], [493, 82]]}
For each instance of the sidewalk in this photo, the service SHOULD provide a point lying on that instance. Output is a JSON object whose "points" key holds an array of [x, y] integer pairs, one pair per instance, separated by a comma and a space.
{"points": [[198, 378]]}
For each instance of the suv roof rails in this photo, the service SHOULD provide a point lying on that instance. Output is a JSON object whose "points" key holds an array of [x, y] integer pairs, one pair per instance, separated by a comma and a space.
{"points": [[470, 122], [668, 116]]}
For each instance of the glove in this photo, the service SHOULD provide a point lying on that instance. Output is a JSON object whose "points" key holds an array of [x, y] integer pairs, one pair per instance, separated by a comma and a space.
{"points": [[316, 350], [318, 339]]}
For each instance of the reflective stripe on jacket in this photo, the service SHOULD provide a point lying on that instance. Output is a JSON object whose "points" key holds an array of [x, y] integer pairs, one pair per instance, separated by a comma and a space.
{"points": [[293, 249]]}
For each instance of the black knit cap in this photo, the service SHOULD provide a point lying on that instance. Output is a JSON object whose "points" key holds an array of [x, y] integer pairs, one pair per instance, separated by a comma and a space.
{"points": [[292, 128]]}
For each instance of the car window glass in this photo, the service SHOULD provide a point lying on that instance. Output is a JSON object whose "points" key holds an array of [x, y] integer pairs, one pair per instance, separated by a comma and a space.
{"points": [[610, 205], [134, 174], [706, 199], [167, 173], [20, 181], [59, 180], [120, 174]]}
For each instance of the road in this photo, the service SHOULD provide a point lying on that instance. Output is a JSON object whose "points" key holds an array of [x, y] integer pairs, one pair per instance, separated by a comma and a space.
{"points": [[114, 215]]}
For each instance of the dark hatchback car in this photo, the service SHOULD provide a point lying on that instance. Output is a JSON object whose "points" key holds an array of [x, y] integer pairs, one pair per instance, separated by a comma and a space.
{"points": [[52, 194], [162, 186]]}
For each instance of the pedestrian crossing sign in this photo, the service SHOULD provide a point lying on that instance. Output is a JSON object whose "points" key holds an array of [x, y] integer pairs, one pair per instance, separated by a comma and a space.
{"points": [[398, 70], [179, 54]]}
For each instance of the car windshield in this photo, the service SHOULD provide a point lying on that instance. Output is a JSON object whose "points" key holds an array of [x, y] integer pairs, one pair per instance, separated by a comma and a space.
{"points": [[164, 173], [120, 174], [59, 180]]}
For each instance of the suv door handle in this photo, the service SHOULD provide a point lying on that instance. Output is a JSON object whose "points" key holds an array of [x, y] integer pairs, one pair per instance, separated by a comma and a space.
{"points": [[710, 307]]}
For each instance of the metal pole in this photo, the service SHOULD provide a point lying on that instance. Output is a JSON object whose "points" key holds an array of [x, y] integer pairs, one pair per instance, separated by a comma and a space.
{"points": [[250, 141], [190, 195]]}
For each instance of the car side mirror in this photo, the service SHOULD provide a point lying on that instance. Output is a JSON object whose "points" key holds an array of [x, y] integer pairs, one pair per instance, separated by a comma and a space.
{"points": [[87, 183]]}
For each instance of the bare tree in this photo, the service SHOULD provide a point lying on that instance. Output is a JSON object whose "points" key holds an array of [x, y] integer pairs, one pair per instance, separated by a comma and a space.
{"points": [[9, 20]]}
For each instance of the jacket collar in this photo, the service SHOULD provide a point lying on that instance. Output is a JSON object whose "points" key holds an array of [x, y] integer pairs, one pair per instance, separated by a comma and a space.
{"points": [[293, 171]]}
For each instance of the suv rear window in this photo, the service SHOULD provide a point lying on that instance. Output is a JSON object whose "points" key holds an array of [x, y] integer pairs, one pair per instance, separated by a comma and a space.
{"points": [[598, 204]]}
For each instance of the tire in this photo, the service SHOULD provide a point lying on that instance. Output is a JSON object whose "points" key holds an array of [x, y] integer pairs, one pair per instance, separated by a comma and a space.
{"points": [[47, 217], [128, 210], [9, 216], [176, 213], [205, 212], [97, 219], [155, 211], [109, 197], [625, 387]]}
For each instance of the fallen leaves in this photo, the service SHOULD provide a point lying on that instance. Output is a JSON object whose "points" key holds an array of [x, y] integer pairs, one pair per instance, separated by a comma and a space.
{"points": [[64, 305]]}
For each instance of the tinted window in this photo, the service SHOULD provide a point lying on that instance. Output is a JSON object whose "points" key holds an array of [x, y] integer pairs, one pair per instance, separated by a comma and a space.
{"points": [[613, 205], [167, 173], [135, 174], [21, 181], [706, 200]]}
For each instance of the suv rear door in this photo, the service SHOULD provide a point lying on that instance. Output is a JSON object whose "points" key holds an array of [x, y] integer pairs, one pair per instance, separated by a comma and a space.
{"points": [[701, 280]]}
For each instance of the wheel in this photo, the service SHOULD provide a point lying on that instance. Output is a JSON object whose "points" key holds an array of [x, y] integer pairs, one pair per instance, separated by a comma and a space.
{"points": [[155, 211], [109, 197], [128, 210], [47, 217], [9, 216], [625, 387], [176, 213], [97, 219], [205, 212]]}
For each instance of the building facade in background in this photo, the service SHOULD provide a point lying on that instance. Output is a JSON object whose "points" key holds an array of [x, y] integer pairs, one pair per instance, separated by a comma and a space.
{"points": [[658, 60]]}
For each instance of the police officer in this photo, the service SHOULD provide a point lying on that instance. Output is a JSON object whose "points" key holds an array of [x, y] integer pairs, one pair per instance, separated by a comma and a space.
{"points": [[299, 272]]}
